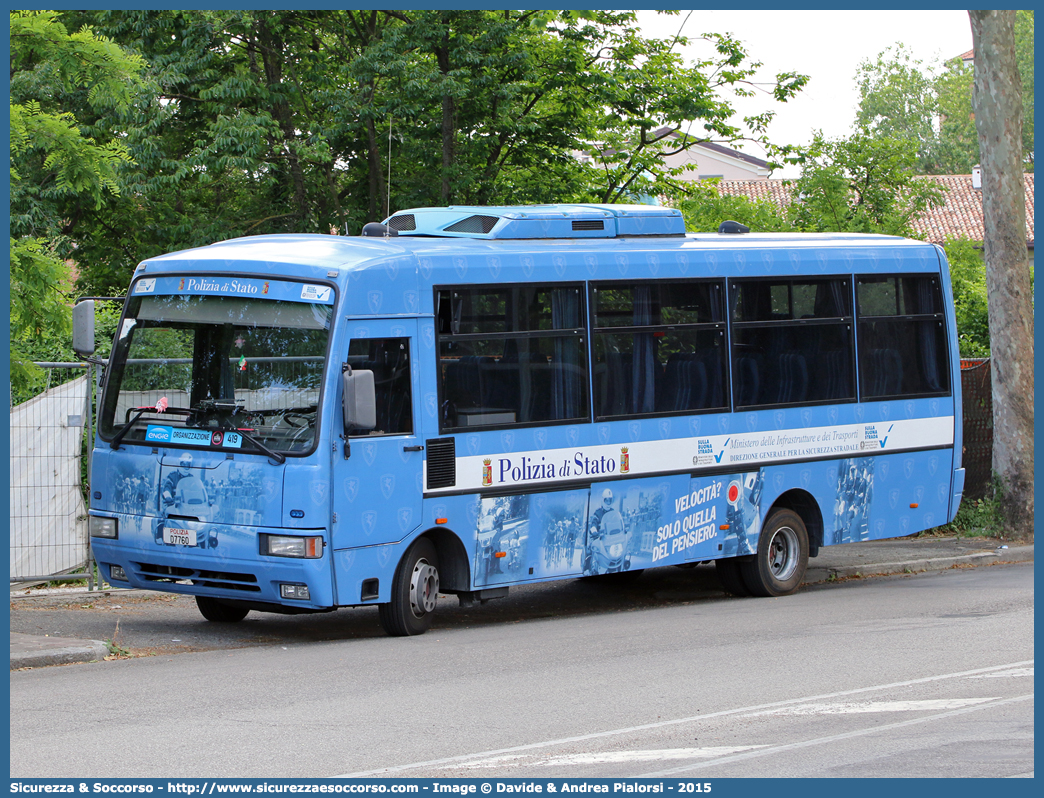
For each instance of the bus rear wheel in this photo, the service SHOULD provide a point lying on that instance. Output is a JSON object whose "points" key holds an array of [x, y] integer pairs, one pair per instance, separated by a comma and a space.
{"points": [[218, 611], [415, 589], [782, 556]]}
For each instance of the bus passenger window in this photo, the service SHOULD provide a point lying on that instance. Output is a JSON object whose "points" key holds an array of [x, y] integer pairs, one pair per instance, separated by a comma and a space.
{"points": [[511, 354], [792, 341], [902, 336], [389, 360], [659, 347]]}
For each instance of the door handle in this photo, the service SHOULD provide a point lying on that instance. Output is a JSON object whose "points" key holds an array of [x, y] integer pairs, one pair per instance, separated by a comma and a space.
{"points": [[413, 448]]}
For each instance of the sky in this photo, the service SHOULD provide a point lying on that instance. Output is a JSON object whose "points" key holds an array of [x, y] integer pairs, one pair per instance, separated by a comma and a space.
{"points": [[828, 46]]}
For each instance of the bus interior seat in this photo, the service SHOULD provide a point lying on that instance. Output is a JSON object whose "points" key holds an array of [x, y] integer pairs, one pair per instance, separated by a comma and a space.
{"points": [[684, 383], [793, 378], [833, 375], [748, 382], [619, 380], [886, 372]]}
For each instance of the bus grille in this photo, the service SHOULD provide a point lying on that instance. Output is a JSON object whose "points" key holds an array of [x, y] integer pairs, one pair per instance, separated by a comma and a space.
{"points": [[474, 224], [588, 224], [172, 575], [442, 463], [405, 222]]}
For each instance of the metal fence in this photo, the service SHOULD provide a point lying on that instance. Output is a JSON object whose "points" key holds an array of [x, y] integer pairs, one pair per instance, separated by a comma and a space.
{"points": [[50, 436], [978, 427]]}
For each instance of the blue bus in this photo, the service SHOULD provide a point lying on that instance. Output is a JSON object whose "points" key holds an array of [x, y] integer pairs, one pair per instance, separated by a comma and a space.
{"points": [[464, 399]]}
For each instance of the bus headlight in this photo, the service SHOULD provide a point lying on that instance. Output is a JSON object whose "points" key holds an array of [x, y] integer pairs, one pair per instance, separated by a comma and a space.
{"points": [[309, 548], [102, 527]]}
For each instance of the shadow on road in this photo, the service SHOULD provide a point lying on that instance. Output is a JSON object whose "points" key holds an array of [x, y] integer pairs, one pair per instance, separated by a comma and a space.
{"points": [[144, 623]]}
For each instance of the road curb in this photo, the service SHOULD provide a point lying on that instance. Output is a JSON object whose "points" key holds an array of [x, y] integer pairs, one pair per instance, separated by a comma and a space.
{"points": [[29, 651], [1016, 554]]}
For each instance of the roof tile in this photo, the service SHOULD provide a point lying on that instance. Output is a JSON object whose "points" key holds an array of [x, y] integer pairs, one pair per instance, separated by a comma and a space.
{"points": [[959, 217]]}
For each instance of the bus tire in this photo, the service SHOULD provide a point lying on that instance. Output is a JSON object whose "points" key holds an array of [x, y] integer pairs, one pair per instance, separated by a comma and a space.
{"points": [[782, 556], [217, 611], [415, 589], [728, 571]]}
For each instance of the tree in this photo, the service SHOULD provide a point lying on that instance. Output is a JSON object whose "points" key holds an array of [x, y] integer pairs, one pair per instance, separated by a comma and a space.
{"points": [[56, 166], [705, 208], [1026, 64], [862, 184], [997, 100], [897, 100], [968, 281], [958, 145], [277, 121], [902, 97]]}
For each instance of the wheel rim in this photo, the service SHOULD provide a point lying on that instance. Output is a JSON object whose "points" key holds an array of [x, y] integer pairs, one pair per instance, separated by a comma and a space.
{"points": [[424, 588], [783, 553]]}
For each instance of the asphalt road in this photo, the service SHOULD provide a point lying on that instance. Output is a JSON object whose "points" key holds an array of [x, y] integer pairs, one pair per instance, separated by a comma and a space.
{"points": [[927, 675]]}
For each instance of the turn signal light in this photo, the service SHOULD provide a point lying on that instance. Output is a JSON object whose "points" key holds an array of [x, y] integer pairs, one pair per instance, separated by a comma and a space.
{"points": [[500, 554]]}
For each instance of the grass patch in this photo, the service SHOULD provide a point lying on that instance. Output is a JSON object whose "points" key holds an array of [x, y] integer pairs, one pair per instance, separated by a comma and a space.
{"points": [[979, 518], [117, 651]]}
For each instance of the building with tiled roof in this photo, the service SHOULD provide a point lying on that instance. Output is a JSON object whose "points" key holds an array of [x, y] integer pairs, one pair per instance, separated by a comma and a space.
{"points": [[705, 160], [960, 216], [708, 160]]}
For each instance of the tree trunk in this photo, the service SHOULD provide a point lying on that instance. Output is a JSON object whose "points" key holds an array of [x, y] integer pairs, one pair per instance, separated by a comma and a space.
{"points": [[449, 123], [272, 61], [376, 173], [997, 100]]}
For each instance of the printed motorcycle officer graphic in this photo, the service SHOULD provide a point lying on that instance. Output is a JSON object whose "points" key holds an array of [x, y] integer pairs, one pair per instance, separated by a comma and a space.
{"points": [[607, 539]]}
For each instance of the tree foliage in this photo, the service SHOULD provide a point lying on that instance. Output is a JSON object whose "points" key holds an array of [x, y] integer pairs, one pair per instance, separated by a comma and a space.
{"points": [[254, 122], [968, 281], [705, 208], [904, 98], [864, 184], [58, 165], [897, 100]]}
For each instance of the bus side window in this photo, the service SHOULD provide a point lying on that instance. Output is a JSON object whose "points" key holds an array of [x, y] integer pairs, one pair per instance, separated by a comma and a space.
{"points": [[792, 341], [659, 347], [389, 360], [511, 354], [902, 336]]}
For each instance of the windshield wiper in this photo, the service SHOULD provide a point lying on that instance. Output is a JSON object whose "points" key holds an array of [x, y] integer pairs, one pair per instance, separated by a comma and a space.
{"points": [[277, 456], [115, 442], [225, 413]]}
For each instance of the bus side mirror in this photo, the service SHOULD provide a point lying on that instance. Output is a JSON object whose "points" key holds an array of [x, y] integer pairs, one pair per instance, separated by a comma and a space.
{"points": [[83, 328], [359, 400]]}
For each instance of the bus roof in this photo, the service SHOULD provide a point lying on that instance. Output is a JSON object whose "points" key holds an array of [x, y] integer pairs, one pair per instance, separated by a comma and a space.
{"points": [[510, 230]]}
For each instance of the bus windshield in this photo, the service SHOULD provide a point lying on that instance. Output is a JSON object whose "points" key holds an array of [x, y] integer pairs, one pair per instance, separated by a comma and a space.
{"points": [[222, 371]]}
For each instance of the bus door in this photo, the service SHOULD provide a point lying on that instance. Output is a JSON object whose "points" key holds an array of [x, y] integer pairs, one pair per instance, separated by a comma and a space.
{"points": [[377, 489]]}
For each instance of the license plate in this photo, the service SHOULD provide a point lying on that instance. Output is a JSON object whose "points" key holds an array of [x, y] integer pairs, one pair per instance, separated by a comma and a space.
{"points": [[179, 537]]}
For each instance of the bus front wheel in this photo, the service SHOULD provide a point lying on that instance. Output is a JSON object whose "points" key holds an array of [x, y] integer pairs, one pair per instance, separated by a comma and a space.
{"points": [[782, 556], [218, 611], [415, 589]]}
